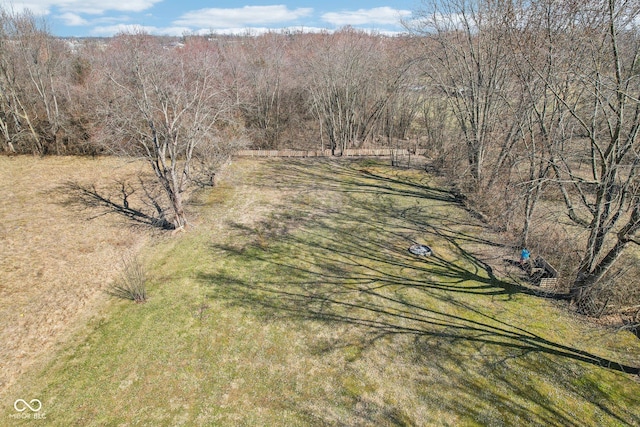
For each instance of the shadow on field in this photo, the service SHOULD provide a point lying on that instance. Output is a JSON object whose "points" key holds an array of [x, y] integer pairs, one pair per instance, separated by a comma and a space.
{"points": [[137, 200], [337, 253], [336, 292], [350, 176]]}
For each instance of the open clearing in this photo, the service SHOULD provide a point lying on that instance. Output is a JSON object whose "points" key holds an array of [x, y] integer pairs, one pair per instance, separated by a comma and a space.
{"points": [[294, 301], [54, 262]]}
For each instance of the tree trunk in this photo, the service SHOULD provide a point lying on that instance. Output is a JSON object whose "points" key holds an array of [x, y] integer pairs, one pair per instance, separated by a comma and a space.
{"points": [[589, 276]]}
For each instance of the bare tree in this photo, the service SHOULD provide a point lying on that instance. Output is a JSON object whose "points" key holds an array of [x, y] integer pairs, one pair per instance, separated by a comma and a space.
{"points": [[558, 81], [599, 94], [466, 59], [262, 63], [532, 51], [403, 88], [17, 112], [7, 114], [349, 88], [169, 106], [32, 74]]}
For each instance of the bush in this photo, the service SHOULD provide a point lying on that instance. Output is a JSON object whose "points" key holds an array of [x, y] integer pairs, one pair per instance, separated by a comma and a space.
{"points": [[131, 284]]}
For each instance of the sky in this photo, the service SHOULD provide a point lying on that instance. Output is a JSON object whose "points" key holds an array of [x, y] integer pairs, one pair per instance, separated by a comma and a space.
{"points": [[103, 18]]}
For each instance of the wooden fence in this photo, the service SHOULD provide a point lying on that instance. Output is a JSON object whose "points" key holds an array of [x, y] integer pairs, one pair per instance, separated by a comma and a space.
{"points": [[358, 152]]}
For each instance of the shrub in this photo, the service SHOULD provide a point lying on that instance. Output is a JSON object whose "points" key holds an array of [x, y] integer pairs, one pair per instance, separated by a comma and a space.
{"points": [[131, 283]]}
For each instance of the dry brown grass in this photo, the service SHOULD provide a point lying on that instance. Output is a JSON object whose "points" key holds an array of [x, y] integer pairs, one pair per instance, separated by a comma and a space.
{"points": [[54, 262]]}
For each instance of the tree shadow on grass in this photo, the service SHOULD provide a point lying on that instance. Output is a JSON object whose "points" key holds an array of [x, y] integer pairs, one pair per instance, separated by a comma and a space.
{"points": [[347, 264], [337, 294], [349, 176], [377, 307], [132, 199], [353, 177], [360, 247]]}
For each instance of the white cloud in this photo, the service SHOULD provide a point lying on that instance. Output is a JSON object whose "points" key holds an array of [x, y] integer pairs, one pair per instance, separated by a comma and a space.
{"points": [[110, 20], [98, 7], [241, 17], [108, 17], [71, 19], [37, 7], [92, 7], [376, 16]]}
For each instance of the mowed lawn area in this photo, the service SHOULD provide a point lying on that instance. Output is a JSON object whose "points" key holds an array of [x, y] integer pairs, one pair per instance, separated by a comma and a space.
{"points": [[293, 300]]}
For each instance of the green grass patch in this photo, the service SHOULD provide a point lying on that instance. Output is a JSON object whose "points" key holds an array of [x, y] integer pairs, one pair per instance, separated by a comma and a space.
{"points": [[296, 302]]}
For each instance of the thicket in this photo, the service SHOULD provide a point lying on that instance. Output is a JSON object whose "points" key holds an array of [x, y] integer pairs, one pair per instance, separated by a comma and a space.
{"points": [[531, 109]]}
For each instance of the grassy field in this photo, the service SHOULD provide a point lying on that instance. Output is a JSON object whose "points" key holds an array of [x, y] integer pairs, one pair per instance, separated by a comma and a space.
{"points": [[294, 301], [54, 262]]}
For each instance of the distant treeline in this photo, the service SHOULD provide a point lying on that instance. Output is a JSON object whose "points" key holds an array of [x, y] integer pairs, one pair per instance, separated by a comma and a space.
{"points": [[299, 91]]}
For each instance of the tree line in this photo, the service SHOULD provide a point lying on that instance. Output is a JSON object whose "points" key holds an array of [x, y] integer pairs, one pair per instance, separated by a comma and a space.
{"points": [[531, 109], [543, 99]]}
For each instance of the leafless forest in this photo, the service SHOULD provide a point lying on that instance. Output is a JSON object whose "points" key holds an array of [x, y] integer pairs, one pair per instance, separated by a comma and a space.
{"points": [[530, 109]]}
